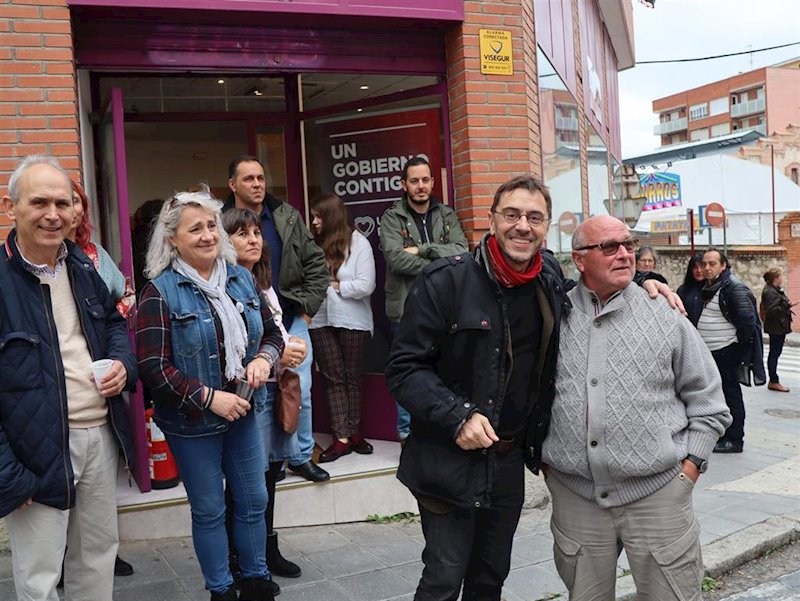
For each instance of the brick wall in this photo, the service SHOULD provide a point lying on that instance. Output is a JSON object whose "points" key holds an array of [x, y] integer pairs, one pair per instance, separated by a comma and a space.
{"points": [[38, 95], [494, 119]]}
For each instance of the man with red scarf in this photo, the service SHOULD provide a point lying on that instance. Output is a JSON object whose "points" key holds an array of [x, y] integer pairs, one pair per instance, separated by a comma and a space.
{"points": [[473, 363]]}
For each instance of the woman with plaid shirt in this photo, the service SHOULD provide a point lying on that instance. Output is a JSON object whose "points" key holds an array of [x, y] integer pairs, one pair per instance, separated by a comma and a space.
{"points": [[202, 331]]}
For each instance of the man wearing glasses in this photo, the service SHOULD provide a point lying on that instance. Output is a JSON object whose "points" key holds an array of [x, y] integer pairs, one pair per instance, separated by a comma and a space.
{"points": [[472, 362], [414, 231], [638, 408]]}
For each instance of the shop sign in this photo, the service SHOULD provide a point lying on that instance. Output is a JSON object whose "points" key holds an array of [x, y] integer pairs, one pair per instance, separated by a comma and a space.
{"points": [[497, 57], [669, 226], [662, 190]]}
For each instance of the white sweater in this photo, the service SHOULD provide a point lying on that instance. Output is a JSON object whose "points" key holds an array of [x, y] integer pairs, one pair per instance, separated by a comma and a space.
{"points": [[349, 307]]}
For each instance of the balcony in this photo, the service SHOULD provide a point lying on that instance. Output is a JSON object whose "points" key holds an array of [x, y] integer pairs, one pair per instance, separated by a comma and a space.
{"points": [[748, 108], [567, 123], [669, 127]]}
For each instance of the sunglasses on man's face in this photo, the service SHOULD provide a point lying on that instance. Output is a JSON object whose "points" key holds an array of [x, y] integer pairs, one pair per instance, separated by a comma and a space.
{"points": [[611, 247]]}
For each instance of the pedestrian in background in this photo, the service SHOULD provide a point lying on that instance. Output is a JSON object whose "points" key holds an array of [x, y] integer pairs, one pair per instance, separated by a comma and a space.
{"points": [[343, 325], [244, 228], [689, 291], [646, 260], [202, 330], [417, 229], [299, 277], [777, 314]]}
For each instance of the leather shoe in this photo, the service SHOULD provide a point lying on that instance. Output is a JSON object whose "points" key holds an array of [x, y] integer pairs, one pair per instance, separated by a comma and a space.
{"points": [[777, 386], [336, 450], [122, 567], [310, 471], [726, 446], [359, 444]]}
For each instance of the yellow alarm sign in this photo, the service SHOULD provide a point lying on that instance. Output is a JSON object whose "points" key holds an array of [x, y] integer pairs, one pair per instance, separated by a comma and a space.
{"points": [[497, 57]]}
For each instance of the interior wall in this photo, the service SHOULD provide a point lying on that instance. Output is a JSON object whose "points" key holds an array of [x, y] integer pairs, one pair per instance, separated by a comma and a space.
{"points": [[167, 157]]}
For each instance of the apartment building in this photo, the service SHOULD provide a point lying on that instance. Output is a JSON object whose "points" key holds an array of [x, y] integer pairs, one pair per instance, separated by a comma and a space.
{"points": [[766, 99]]}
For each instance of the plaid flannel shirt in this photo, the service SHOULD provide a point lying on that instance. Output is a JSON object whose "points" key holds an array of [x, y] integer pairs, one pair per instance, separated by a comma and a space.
{"points": [[154, 349]]}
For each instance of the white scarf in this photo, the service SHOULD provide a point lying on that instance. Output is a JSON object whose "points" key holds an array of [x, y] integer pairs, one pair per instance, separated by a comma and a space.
{"points": [[233, 329]]}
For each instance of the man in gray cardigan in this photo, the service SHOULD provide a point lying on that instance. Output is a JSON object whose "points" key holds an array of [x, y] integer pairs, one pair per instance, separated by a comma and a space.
{"points": [[638, 409]]}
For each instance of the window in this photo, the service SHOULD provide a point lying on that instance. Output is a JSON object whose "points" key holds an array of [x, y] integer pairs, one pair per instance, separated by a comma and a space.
{"points": [[698, 134], [718, 106], [795, 175], [721, 129], [698, 111]]}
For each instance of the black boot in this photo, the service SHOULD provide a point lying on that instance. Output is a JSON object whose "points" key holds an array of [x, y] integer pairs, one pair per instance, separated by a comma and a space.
{"points": [[229, 595], [278, 564], [256, 589]]}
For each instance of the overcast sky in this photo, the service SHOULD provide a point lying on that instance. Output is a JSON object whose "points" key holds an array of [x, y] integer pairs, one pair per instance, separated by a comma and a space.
{"points": [[692, 28]]}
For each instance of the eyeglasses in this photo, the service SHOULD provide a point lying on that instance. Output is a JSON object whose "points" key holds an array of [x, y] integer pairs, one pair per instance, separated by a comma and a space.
{"points": [[534, 218], [611, 247], [420, 180]]}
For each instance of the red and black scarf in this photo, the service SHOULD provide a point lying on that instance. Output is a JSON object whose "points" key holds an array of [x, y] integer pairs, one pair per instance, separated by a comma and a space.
{"points": [[507, 275]]}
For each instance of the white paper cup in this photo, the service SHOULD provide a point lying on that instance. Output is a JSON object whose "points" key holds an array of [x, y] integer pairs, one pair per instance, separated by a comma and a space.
{"points": [[100, 369]]}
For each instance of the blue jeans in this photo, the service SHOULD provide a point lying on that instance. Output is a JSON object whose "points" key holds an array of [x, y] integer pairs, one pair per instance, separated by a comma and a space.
{"points": [[305, 434], [775, 349], [278, 445], [203, 461], [403, 416]]}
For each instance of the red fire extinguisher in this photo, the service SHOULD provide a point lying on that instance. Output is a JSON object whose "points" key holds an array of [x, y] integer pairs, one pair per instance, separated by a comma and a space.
{"points": [[163, 469]]}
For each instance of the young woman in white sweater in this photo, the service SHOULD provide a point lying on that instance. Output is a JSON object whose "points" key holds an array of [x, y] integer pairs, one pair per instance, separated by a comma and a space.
{"points": [[343, 324]]}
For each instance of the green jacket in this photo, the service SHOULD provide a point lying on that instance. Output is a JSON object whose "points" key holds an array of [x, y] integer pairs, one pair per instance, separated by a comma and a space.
{"points": [[304, 269], [398, 230]]}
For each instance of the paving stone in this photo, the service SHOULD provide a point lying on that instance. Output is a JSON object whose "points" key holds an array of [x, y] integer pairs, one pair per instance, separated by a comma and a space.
{"points": [[312, 540], [318, 591], [533, 582], [397, 552], [382, 584], [345, 562], [791, 581]]}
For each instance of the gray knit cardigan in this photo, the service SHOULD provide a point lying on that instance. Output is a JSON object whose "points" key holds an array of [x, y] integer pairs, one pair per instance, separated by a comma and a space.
{"points": [[636, 391]]}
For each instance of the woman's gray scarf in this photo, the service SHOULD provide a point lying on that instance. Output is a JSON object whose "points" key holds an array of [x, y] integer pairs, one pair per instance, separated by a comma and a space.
{"points": [[233, 329]]}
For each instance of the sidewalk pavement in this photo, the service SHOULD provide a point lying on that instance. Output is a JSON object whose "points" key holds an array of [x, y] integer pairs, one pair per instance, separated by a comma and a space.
{"points": [[746, 505]]}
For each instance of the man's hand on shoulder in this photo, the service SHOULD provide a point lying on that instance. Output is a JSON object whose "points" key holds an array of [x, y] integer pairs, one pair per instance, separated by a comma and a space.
{"points": [[476, 433], [655, 288]]}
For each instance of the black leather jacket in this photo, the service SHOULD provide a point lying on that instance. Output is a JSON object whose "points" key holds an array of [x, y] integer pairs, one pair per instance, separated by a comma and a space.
{"points": [[452, 357]]}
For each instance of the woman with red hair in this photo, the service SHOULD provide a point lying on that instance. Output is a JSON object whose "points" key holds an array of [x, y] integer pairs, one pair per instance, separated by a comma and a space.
{"points": [[81, 234]]}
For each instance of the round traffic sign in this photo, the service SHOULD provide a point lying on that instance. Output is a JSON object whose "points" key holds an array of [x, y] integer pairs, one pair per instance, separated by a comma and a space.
{"points": [[567, 222], [715, 214]]}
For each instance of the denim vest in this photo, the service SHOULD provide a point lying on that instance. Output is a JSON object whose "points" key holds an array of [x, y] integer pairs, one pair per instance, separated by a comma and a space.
{"points": [[195, 351]]}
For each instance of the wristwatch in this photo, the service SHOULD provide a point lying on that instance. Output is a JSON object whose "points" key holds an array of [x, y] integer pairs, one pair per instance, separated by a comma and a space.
{"points": [[702, 464]]}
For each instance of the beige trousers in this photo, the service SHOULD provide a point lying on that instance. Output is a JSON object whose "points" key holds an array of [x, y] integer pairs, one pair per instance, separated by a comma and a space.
{"points": [[39, 534], [659, 533]]}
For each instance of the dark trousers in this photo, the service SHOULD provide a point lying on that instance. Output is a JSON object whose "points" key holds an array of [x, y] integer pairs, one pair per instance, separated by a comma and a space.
{"points": [[727, 360], [775, 349], [338, 352], [473, 545]]}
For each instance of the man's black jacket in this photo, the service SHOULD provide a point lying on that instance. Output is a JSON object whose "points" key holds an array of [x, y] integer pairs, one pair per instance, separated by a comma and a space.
{"points": [[452, 357]]}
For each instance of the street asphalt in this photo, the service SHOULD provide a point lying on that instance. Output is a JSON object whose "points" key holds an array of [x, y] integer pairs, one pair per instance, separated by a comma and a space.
{"points": [[747, 504]]}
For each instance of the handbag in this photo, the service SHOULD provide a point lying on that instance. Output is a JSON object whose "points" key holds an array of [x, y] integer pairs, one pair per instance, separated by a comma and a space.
{"points": [[287, 401]]}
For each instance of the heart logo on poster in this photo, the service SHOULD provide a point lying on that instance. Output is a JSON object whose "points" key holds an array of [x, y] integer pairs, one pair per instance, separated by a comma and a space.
{"points": [[496, 46], [365, 225]]}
